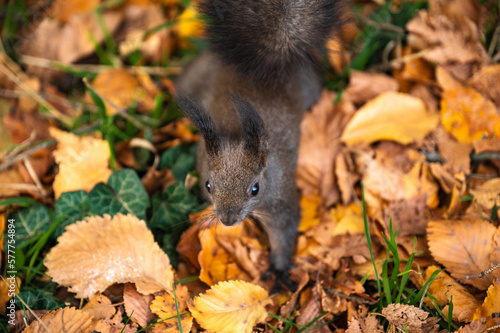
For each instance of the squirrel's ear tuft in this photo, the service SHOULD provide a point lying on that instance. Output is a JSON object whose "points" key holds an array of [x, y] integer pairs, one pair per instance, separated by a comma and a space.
{"points": [[254, 133], [201, 119]]}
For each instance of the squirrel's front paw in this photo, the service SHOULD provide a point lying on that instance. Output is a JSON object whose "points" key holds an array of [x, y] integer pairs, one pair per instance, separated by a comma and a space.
{"points": [[282, 277]]}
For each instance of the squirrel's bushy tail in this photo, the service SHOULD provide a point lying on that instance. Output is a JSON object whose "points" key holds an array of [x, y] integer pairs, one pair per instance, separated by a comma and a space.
{"points": [[267, 39]]}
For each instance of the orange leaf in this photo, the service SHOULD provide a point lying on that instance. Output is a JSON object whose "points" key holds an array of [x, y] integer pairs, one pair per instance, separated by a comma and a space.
{"points": [[491, 303], [100, 251], [443, 288], [468, 116], [463, 247]]}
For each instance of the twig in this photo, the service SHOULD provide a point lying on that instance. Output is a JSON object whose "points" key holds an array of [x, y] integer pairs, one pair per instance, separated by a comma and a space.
{"points": [[482, 274], [351, 298], [11, 70], [494, 41], [34, 176], [434, 156], [53, 64], [427, 288]]}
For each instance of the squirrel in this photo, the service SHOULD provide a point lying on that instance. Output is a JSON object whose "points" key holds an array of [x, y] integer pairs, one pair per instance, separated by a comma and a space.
{"points": [[247, 94]]}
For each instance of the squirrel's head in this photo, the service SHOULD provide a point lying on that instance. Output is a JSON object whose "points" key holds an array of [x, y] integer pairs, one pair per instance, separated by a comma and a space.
{"points": [[233, 177]]}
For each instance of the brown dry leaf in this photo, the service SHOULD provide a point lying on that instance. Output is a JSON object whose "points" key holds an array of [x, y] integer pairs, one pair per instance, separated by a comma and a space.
{"points": [[492, 144], [491, 303], [486, 82], [364, 86], [68, 320], [45, 40], [100, 251], [139, 22], [297, 273], [488, 193], [468, 115], [121, 89], [232, 306], [99, 307], [443, 288], [390, 116], [447, 40], [477, 326], [495, 254], [319, 145], [445, 80], [408, 318], [310, 308], [164, 307], [362, 322], [79, 156], [137, 305], [63, 10], [463, 247]]}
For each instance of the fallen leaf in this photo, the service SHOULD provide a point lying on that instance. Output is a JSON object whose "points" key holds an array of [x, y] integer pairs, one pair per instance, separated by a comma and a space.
{"points": [[319, 145], [491, 304], [488, 193], [100, 251], [409, 318], [477, 326], [482, 146], [468, 115], [189, 26], [443, 288], [463, 247], [232, 306], [165, 308], [137, 305], [486, 82], [79, 156], [364, 86], [447, 40], [364, 322], [216, 263], [390, 116], [120, 89], [445, 80], [68, 320], [99, 307], [63, 10], [309, 212]]}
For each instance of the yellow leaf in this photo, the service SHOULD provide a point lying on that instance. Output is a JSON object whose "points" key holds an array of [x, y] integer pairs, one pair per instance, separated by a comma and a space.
{"points": [[232, 306], [463, 247], [310, 216], [100, 307], [164, 307], [444, 287], [468, 116], [78, 156], [349, 218], [390, 116], [100, 251], [216, 263], [491, 303], [190, 25]]}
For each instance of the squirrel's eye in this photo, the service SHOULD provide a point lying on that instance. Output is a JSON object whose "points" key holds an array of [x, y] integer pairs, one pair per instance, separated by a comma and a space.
{"points": [[255, 189], [207, 186]]}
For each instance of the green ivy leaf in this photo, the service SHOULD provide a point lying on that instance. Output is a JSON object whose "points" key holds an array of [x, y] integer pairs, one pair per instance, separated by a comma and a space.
{"points": [[71, 207], [124, 193], [30, 222], [38, 300], [171, 208], [180, 159]]}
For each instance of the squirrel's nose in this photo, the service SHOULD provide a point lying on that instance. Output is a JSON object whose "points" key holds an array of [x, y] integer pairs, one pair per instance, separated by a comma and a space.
{"points": [[229, 217]]}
